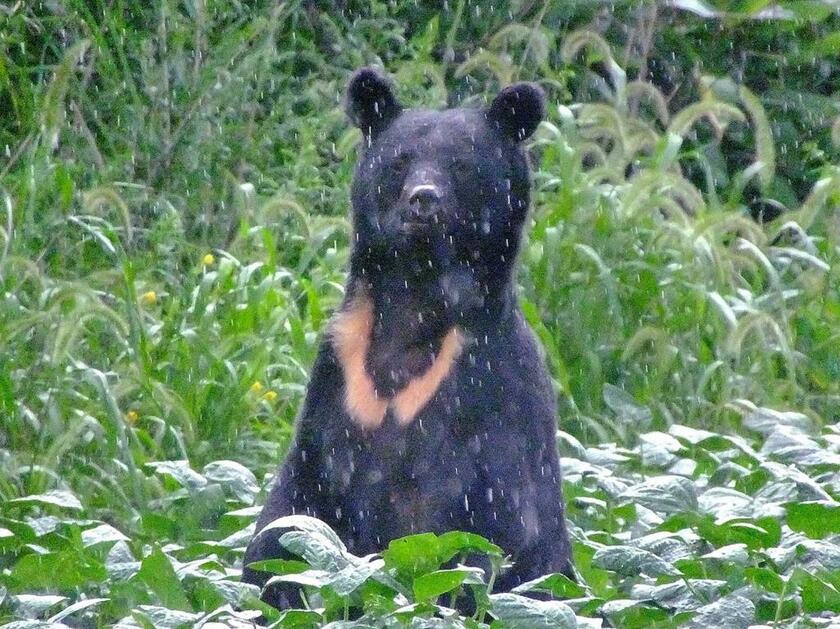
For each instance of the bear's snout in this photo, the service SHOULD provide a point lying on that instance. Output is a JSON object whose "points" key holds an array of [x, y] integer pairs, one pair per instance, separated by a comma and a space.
{"points": [[424, 199], [423, 196]]}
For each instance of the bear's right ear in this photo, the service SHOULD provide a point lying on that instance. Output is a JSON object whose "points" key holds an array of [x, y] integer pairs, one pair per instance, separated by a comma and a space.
{"points": [[371, 104], [517, 110]]}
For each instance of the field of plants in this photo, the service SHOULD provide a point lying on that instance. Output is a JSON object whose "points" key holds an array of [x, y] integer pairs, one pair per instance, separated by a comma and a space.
{"points": [[174, 199]]}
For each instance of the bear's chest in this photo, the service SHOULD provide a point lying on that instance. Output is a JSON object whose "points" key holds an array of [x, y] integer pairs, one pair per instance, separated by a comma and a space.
{"points": [[399, 480]]}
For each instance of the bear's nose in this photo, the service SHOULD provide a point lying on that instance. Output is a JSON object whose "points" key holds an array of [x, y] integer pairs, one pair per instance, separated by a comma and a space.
{"points": [[424, 198]]}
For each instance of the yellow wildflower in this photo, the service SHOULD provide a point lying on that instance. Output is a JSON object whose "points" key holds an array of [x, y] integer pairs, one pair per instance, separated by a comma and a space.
{"points": [[208, 260], [132, 416], [149, 298], [270, 396], [257, 387]]}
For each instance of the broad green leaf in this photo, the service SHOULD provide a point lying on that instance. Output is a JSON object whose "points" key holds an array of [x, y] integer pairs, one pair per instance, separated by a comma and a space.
{"points": [[669, 547], [629, 561], [312, 539], [279, 566], [157, 573], [102, 534], [61, 570], [57, 498], [163, 617], [425, 552], [723, 503], [663, 494], [632, 613], [431, 585], [518, 612], [733, 553], [557, 584], [35, 605], [818, 595], [415, 554], [181, 472], [733, 611], [349, 578], [817, 519], [76, 607], [680, 596], [765, 578], [120, 562], [233, 476], [628, 410]]}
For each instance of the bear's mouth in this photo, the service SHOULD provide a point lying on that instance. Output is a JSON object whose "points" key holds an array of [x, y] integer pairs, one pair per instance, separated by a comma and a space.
{"points": [[415, 228]]}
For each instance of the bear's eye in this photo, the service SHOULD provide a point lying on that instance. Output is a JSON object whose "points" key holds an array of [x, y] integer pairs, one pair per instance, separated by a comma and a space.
{"points": [[390, 181], [397, 168]]}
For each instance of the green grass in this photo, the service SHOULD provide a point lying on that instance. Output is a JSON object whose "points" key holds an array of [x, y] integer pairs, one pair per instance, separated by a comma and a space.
{"points": [[174, 190]]}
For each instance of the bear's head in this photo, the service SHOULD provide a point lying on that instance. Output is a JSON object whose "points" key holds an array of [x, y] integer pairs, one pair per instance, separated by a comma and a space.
{"points": [[440, 196]]}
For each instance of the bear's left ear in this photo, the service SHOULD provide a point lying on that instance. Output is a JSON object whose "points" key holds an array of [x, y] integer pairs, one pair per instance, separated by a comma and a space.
{"points": [[371, 104], [517, 110]]}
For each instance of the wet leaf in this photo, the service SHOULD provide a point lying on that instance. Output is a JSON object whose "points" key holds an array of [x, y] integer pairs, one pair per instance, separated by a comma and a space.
{"points": [[816, 519], [629, 561], [157, 573], [664, 494], [732, 611], [433, 584], [57, 498], [518, 612]]}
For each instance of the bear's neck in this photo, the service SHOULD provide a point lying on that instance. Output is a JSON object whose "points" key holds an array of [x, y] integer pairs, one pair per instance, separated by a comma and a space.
{"points": [[413, 315]]}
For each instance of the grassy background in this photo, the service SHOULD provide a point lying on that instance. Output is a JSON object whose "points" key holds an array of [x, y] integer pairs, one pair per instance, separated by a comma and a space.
{"points": [[174, 182]]}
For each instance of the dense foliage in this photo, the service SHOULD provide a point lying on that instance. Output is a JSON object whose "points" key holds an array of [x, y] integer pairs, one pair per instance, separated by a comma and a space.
{"points": [[173, 230]]}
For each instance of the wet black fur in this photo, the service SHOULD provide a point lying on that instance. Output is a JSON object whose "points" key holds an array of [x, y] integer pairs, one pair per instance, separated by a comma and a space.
{"points": [[481, 455]]}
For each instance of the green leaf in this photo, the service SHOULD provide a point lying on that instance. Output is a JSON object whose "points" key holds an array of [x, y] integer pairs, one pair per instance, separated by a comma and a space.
{"points": [[164, 618], [433, 584], [765, 578], [680, 596], [631, 613], [57, 498], [425, 552], [630, 561], [348, 579], [313, 540], [733, 612], [36, 605], [817, 594], [157, 573], [663, 494], [454, 542], [557, 584], [180, 472], [733, 553], [414, 555], [235, 477], [628, 410], [75, 607], [61, 570], [102, 534], [279, 566], [817, 519], [763, 532], [518, 612]]}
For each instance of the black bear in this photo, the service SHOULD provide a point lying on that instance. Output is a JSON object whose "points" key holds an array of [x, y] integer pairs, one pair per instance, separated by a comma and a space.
{"points": [[429, 407]]}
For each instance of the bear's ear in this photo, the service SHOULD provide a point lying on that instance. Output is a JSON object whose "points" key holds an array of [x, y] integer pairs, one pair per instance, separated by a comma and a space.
{"points": [[371, 104], [517, 110]]}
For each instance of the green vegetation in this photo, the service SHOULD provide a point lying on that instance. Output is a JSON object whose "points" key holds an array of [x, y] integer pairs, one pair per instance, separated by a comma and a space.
{"points": [[173, 231]]}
